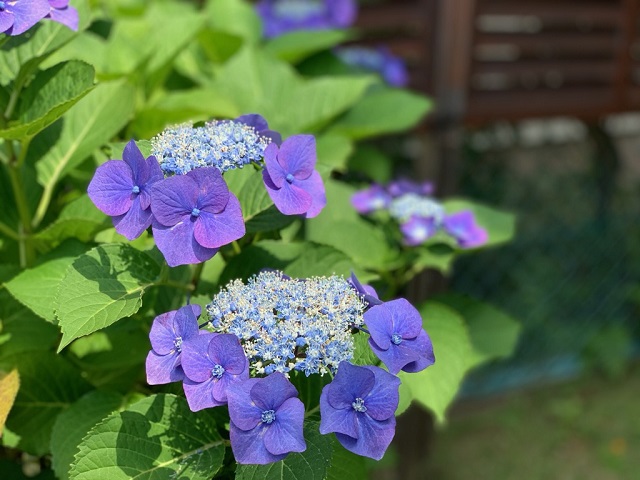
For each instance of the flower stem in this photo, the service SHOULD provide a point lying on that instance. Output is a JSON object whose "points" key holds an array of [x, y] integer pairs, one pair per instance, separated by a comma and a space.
{"points": [[9, 232], [236, 247]]}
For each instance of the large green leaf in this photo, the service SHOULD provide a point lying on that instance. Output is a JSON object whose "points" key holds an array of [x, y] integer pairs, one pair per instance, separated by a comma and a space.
{"points": [[48, 385], [346, 465], [295, 46], [36, 287], [437, 386], [333, 151], [48, 97], [500, 225], [312, 464], [101, 287], [72, 426], [236, 17], [246, 183], [494, 334], [92, 122], [383, 111], [155, 438]]}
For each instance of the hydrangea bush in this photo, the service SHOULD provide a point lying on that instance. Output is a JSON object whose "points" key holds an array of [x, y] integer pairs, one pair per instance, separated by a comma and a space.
{"points": [[186, 288]]}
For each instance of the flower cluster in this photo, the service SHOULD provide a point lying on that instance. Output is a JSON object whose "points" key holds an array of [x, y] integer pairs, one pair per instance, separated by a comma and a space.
{"points": [[18, 16], [192, 211], [419, 214], [378, 60], [274, 326], [282, 16]]}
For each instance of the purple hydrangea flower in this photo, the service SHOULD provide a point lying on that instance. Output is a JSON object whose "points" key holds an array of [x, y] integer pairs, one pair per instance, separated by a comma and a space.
{"points": [[379, 60], [121, 189], [282, 16], [418, 230], [211, 362], [403, 186], [266, 419], [368, 292], [18, 16], [359, 407], [168, 332], [463, 227], [194, 215], [397, 336], [63, 13], [291, 180], [371, 199], [259, 123]]}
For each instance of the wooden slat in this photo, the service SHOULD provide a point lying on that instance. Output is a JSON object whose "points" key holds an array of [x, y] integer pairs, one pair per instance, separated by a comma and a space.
{"points": [[391, 15], [600, 69], [607, 13]]}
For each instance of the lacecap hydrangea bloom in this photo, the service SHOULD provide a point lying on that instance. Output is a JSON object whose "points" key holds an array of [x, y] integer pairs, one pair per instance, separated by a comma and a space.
{"points": [[18, 16], [283, 16], [378, 60], [260, 333], [419, 214]]}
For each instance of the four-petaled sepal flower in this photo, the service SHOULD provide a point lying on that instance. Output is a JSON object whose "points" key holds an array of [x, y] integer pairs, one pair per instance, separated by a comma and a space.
{"points": [[168, 333], [397, 336], [266, 419], [293, 184], [359, 407], [120, 189], [371, 199], [418, 230], [211, 362], [463, 227], [195, 214]]}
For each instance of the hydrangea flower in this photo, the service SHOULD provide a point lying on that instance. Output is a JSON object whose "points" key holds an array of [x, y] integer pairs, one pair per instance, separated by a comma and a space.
{"points": [[266, 419], [225, 144], [168, 332], [371, 199], [359, 407], [211, 362], [282, 16], [397, 337], [418, 230], [18, 16], [291, 180], [63, 13], [401, 186], [410, 205], [379, 60], [286, 324], [195, 214], [121, 189], [463, 227]]}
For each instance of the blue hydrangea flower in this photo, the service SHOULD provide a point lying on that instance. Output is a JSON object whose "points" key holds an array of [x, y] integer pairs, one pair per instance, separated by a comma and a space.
{"points": [[282, 16], [291, 179], [211, 362], [463, 227], [397, 337], [371, 199], [266, 419], [359, 407], [287, 324], [195, 214], [418, 230], [121, 189], [226, 145], [18, 16], [168, 332], [378, 60]]}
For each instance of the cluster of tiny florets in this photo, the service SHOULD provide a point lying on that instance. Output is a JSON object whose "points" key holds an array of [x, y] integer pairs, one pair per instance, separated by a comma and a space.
{"points": [[289, 324], [410, 205], [223, 144]]}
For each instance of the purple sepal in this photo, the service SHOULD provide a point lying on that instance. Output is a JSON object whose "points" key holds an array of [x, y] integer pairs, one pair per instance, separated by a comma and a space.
{"points": [[368, 292], [463, 227], [262, 127], [403, 186], [372, 199], [18, 16], [63, 13], [397, 336], [418, 230]]}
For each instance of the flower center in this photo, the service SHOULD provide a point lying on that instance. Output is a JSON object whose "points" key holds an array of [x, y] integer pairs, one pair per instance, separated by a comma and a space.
{"points": [[396, 338], [178, 344], [268, 417], [358, 405], [195, 212], [135, 189], [217, 371], [289, 178]]}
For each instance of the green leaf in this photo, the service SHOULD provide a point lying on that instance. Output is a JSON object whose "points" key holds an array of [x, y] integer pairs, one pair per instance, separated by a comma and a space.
{"points": [[437, 386], [500, 226], [296, 46], [72, 426], [236, 17], [333, 151], [405, 398], [382, 112], [154, 438], [48, 385], [309, 388], [494, 334], [323, 260], [312, 464], [363, 355], [36, 287], [246, 183], [101, 287], [48, 97], [346, 465]]}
